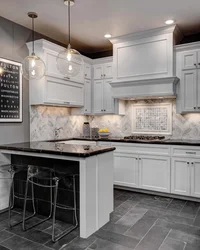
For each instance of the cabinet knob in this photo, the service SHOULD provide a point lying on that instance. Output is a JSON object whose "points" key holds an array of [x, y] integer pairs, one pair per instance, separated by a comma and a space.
{"points": [[104, 75], [192, 163], [195, 64], [194, 107], [198, 107], [104, 110], [188, 163], [85, 74], [199, 64]]}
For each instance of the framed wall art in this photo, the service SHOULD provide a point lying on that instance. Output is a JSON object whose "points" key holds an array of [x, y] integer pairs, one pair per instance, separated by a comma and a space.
{"points": [[10, 91]]}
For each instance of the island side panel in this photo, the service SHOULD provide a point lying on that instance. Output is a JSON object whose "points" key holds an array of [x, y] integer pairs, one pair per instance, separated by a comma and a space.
{"points": [[88, 196], [4, 184], [105, 187]]}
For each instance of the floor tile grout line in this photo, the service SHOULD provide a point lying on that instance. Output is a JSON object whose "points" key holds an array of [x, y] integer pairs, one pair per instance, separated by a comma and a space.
{"points": [[126, 213], [145, 235], [90, 244], [196, 214], [135, 223], [26, 239], [170, 203], [165, 239], [182, 208], [8, 239], [65, 245]]}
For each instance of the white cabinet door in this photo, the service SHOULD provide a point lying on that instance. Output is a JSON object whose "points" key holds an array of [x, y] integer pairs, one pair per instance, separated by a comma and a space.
{"points": [[180, 176], [198, 88], [98, 97], [107, 97], [88, 97], [189, 90], [189, 60], [125, 170], [88, 71], [154, 173], [108, 70], [195, 178], [64, 93], [50, 59], [98, 71]]}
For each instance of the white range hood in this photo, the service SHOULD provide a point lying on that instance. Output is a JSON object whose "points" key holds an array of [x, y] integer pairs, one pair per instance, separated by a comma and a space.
{"points": [[148, 88], [144, 65]]}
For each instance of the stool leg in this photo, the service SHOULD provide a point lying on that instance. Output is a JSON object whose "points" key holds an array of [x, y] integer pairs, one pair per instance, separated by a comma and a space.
{"points": [[69, 230], [11, 204], [24, 211], [54, 209]]}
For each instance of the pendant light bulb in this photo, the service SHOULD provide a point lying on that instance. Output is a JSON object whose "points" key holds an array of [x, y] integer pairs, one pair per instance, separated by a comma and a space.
{"points": [[69, 61], [33, 68]]}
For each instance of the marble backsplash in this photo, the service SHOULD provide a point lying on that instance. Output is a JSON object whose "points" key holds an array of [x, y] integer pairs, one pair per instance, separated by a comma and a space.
{"points": [[57, 122]]}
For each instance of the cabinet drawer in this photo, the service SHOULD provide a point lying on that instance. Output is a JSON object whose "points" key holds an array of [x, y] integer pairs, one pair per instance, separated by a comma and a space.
{"points": [[147, 149], [192, 152]]}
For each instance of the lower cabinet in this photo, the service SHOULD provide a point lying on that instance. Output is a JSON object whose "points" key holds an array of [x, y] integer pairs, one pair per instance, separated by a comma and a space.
{"points": [[145, 172], [154, 173], [126, 170], [185, 176]]}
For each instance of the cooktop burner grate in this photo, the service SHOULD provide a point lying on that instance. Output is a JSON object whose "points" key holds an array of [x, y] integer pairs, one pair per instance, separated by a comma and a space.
{"points": [[144, 138]]}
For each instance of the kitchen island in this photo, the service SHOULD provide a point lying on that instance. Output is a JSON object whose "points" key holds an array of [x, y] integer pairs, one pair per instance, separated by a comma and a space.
{"points": [[95, 167]]}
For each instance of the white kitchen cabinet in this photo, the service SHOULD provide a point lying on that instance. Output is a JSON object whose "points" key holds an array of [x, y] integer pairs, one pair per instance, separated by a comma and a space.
{"points": [[51, 68], [98, 102], [154, 173], [180, 176], [189, 60], [188, 70], [103, 71], [61, 92], [98, 71], [144, 55], [103, 101], [88, 71], [195, 177], [88, 97], [189, 85], [54, 88], [126, 170]]}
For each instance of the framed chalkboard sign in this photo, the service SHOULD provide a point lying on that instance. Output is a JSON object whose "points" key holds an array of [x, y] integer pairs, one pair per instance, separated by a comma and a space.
{"points": [[10, 91]]}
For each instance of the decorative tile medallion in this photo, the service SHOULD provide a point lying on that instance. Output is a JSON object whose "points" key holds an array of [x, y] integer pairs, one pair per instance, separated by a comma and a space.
{"points": [[152, 118]]}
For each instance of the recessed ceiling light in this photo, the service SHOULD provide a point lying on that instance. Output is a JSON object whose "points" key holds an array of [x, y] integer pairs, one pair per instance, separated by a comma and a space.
{"points": [[107, 36], [170, 21]]}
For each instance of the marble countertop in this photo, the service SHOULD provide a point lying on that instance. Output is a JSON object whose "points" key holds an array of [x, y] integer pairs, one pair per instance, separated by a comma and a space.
{"points": [[52, 147], [118, 139]]}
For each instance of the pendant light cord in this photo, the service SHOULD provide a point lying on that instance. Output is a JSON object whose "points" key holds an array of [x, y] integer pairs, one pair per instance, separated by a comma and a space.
{"points": [[69, 24], [33, 35]]}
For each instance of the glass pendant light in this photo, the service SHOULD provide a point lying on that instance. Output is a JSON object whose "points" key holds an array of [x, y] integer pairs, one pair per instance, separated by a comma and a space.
{"points": [[69, 61], [33, 68]]}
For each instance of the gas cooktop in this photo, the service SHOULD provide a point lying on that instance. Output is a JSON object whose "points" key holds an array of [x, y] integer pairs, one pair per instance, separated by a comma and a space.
{"points": [[144, 138]]}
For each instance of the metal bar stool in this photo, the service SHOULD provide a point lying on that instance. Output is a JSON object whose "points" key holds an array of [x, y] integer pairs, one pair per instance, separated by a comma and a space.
{"points": [[8, 172], [35, 176]]}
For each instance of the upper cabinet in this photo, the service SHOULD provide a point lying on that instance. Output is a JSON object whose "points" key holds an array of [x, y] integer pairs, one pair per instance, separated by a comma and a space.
{"points": [[103, 71], [188, 70], [88, 71], [144, 55], [54, 88]]}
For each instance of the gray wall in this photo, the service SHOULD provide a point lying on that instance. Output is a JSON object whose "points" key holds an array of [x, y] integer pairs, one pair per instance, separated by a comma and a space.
{"points": [[13, 39]]}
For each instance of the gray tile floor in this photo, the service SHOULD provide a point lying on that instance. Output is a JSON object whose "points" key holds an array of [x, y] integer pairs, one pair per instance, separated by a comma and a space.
{"points": [[139, 222]]}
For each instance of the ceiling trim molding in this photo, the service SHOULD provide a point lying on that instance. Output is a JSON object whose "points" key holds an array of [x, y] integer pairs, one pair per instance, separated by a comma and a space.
{"points": [[143, 34]]}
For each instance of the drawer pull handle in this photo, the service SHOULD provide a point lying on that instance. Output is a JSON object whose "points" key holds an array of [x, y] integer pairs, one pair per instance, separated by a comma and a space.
{"points": [[66, 102], [192, 153]]}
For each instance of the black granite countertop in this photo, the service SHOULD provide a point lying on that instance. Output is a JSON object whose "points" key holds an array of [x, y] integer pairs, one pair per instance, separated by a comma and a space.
{"points": [[52, 147], [118, 139]]}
